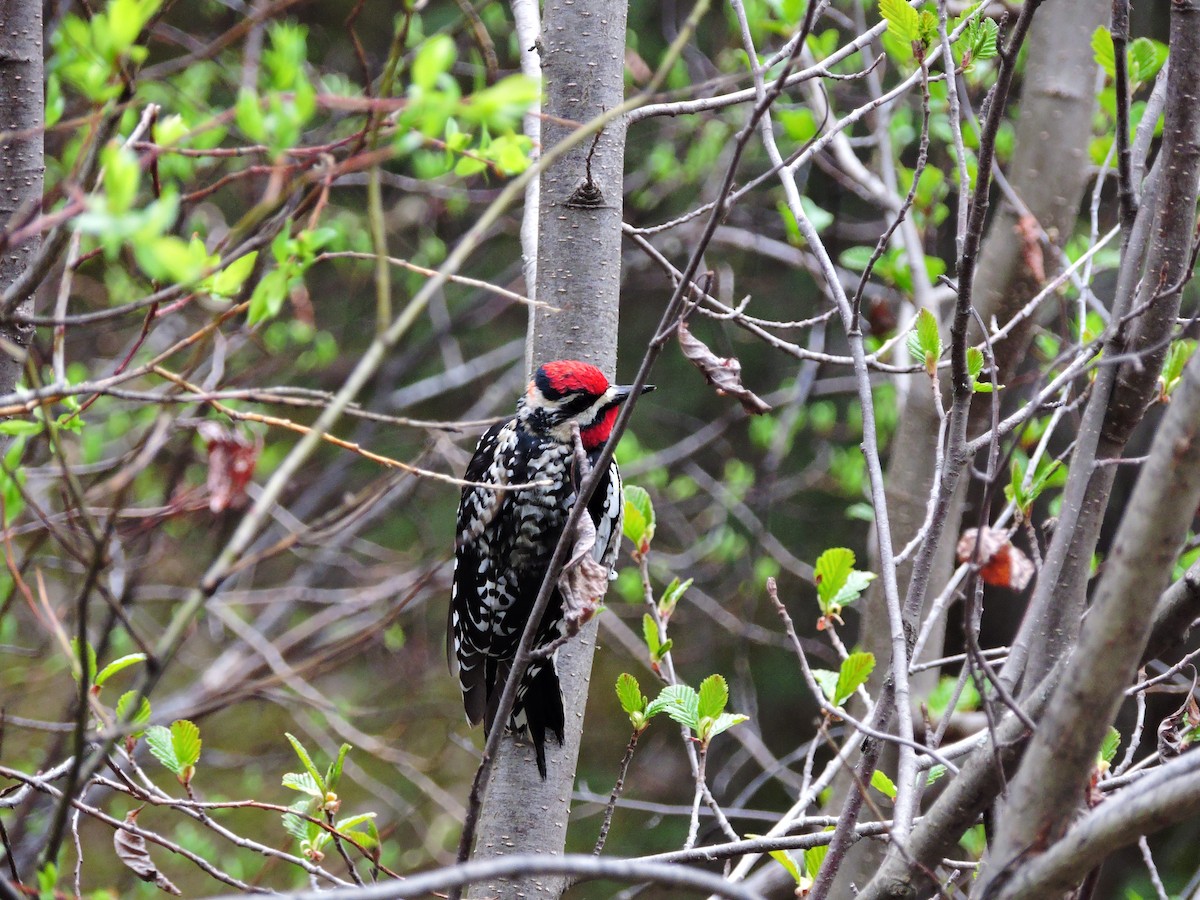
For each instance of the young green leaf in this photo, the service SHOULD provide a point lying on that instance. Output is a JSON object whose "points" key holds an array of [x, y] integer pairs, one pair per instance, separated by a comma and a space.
{"points": [[671, 597], [90, 655], [832, 569], [883, 784], [1108, 747], [925, 342], [678, 701], [722, 723], [158, 739], [650, 633], [813, 857], [903, 21], [16, 427], [293, 824], [138, 718], [854, 671], [229, 280], [639, 517], [367, 837], [935, 772], [827, 681], [1103, 51], [630, 695], [714, 694], [856, 583], [304, 783], [1146, 57], [307, 761], [785, 859], [974, 361], [117, 665], [185, 740], [334, 773]]}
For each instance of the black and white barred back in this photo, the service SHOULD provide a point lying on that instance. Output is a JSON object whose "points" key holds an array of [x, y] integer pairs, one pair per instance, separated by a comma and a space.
{"points": [[503, 547]]}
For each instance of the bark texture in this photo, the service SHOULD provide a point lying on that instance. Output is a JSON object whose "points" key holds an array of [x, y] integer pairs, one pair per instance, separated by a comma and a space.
{"points": [[579, 272], [21, 117]]}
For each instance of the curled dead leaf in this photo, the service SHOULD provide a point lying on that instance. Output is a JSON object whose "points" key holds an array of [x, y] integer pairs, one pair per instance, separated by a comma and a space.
{"points": [[723, 374], [231, 461], [1177, 732], [1031, 247], [583, 581], [131, 850], [1000, 562]]}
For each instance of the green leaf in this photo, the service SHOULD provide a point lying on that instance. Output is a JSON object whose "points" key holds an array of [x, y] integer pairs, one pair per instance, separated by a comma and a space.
{"points": [[185, 739], [1144, 60], [368, 838], [304, 783], [433, 59], [832, 569], [723, 723], [249, 116], [334, 773], [268, 297], [630, 695], [925, 342], [1108, 747], [883, 784], [307, 761], [1103, 52], [979, 39], [856, 583], [671, 597], [650, 633], [639, 517], [939, 697], [15, 427], [935, 772], [229, 280], [680, 702], [974, 361], [117, 665], [90, 653], [904, 22], [158, 739], [121, 177], [813, 857], [293, 824], [785, 859], [854, 671], [138, 718], [714, 694], [827, 681]]}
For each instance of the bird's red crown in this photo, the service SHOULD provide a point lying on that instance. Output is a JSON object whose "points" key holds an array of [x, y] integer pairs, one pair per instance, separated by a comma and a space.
{"points": [[566, 376]]}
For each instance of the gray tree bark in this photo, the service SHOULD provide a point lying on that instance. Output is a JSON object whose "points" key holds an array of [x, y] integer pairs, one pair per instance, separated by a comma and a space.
{"points": [[21, 121], [579, 272]]}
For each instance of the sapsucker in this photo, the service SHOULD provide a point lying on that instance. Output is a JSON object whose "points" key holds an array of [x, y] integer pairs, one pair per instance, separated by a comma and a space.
{"points": [[505, 539]]}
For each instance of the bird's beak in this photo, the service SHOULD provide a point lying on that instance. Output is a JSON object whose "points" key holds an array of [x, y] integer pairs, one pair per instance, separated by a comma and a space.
{"points": [[622, 392]]}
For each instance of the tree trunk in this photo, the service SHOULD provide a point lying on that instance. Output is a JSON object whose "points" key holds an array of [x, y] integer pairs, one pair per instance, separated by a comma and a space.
{"points": [[579, 272], [21, 119]]}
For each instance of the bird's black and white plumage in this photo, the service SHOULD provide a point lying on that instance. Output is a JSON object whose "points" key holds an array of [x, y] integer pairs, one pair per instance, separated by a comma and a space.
{"points": [[505, 540]]}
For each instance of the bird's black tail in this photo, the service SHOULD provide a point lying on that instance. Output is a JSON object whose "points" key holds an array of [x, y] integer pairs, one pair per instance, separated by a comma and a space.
{"points": [[539, 707]]}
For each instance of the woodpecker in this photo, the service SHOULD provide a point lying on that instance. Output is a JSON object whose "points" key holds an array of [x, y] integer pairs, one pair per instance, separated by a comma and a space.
{"points": [[505, 539]]}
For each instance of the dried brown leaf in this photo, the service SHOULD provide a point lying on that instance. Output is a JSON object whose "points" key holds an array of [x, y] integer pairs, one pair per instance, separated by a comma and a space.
{"points": [[231, 461], [131, 850], [1031, 247], [723, 374], [583, 581], [1000, 562]]}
